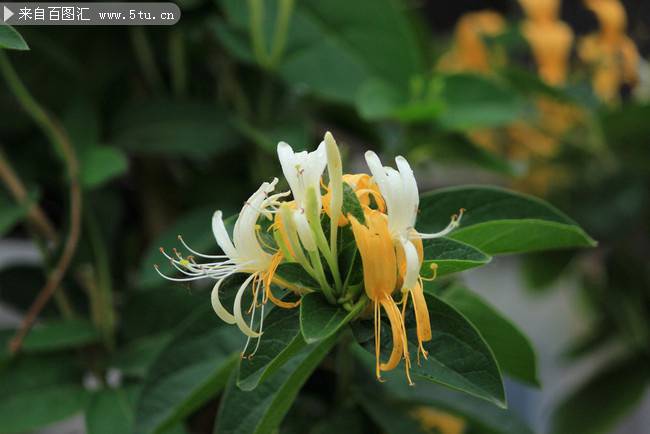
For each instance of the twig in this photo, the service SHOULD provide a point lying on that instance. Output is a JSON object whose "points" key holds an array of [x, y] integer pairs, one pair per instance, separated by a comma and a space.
{"points": [[35, 214], [62, 144]]}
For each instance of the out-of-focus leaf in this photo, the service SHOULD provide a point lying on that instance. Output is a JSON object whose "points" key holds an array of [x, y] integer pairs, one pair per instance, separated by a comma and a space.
{"points": [[320, 320], [178, 129], [627, 131], [472, 101], [450, 256], [100, 164], [459, 357], [604, 399], [347, 420], [136, 359], [12, 213], [334, 47], [189, 371], [499, 221], [26, 372], [261, 410], [511, 347], [20, 285], [542, 269], [53, 336], [110, 411], [160, 311], [280, 342], [10, 39], [46, 405]]}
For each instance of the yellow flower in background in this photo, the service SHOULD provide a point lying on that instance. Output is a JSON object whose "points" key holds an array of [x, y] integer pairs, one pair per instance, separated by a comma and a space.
{"points": [[470, 52], [436, 421], [549, 38], [610, 53]]}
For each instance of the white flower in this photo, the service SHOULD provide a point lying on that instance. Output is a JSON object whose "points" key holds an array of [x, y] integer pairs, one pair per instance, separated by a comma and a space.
{"points": [[303, 170], [400, 191], [243, 254]]}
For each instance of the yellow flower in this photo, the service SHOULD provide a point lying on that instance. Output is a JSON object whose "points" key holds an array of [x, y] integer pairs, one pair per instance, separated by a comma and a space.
{"points": [[610, 53], [470, 52], [380, 280], [436, 421]]}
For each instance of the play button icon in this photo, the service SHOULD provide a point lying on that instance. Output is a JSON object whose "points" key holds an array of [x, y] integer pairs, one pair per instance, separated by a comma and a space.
{"points": [[7, 13]]}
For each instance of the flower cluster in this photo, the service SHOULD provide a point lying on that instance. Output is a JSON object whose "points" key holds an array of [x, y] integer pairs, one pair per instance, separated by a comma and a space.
{"points": [[384, 233]]}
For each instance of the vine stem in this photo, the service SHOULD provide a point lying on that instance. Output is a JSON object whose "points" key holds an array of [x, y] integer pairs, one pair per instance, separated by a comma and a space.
{"points": [[62, 145]]}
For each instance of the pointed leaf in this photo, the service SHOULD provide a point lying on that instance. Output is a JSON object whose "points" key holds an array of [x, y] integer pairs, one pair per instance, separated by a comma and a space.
{"points": [[351, 204], [99, 164], [511, 347], [190, 370], [450, 256], [459, 357], [10, 39], [320, 320], [281, 340], [261, 411], [500, 221]]}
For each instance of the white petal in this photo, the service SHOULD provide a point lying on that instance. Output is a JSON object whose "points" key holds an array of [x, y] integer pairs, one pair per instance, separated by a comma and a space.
{"points": [[410, 188], [412, 265], [216, 303], [221, 235], [304, 231], [239, 317], [288, 161]]}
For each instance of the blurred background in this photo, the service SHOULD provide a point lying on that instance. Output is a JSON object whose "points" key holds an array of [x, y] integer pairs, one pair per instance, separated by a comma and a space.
{"points": [[113, 140]]}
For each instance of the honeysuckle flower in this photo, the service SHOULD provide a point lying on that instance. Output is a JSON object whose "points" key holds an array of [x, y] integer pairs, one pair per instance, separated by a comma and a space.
{"points": [[612, 55], [364, 188], [400, 191], [303, 170], [379, 280], [549, 38], [470, 52], [243, 254]]}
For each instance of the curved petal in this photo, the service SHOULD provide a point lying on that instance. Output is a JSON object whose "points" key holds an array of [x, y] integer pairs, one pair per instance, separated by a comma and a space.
{"points": [[410, 188], [288, 163], [221, 235], [412, 270], [239, 317], [221, 311], [304, 231]]}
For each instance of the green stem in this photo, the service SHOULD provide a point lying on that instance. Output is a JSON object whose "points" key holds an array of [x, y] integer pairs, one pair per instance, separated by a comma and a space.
{"points": [[146, 58], [103, 280], [318, 266], [256, 29], [280, 33], [177, 62]]}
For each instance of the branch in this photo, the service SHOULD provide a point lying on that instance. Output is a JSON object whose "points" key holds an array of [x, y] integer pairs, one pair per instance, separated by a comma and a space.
{"points": [[61, 143]]}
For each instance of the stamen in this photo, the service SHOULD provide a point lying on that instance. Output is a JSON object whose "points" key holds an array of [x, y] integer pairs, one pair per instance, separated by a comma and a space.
{"points": [[180, 238]]}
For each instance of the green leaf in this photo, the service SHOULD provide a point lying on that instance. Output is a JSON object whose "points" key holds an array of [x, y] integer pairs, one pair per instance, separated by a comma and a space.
{"points": [[295, 275], [10, 39], [499, 221], [334, 47], [478, 413], [110, 411], [12, 213], [100, 164], [472, 101], [281, 341], [351, 204], [542, 269], [261, 411], [135, 359], [320, 320], [178, 129], [450, 256], [53, 336], [189, 371], [459, 357], [26, 372], [392, 417], [597, 406], [46, 405], [511, 347]]}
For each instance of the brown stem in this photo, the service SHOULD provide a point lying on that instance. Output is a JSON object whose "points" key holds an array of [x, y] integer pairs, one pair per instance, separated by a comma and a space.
{"points": [[35, 215], [62, 145]]}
